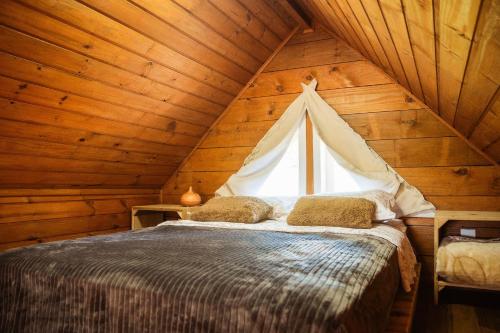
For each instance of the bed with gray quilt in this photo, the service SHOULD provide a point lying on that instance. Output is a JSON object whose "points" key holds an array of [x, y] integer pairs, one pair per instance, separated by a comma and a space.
{"points": [[200, 279]]}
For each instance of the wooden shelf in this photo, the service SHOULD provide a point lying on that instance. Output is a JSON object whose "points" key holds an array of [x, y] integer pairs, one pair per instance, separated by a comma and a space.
{"points": [[443, 284], [150, 215]]}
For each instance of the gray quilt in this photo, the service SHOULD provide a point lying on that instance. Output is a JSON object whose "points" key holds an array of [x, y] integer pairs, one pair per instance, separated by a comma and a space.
{"points": [[199, 279]]}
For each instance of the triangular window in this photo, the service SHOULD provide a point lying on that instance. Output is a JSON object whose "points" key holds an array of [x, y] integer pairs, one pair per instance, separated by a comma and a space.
{"points": [[291, 159]]}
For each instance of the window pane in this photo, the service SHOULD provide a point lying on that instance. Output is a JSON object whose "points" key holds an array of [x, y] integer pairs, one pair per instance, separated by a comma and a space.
{"points": [[284, 180], [329, 176]]}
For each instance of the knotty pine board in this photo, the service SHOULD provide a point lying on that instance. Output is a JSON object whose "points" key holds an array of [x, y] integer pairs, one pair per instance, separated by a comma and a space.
{"points": [[32, 215]]}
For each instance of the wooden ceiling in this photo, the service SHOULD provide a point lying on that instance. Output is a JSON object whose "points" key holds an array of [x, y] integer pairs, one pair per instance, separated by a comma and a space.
{"points": [[117, 93], [443, 51]]}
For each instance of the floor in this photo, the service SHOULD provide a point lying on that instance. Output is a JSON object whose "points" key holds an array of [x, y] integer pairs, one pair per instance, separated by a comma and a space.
{"points": [[459, 311]]}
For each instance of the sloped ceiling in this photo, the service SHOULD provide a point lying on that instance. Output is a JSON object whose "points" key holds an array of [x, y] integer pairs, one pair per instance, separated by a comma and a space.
{"points": [[117, 93], [444, 51]]}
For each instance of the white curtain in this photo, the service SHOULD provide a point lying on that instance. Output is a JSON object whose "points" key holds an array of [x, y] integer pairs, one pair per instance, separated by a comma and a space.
{"points": [[349, 149]]}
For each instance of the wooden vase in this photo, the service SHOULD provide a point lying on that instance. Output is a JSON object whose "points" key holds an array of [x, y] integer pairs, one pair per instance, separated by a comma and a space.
{"points": [[190, 198]]}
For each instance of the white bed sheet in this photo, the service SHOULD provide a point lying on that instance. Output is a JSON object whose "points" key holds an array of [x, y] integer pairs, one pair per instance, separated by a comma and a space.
{"points": [[392, 232]]}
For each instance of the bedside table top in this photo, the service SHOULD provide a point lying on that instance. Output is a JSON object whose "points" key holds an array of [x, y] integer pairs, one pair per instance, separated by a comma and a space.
{"points": [[468, 215], [161, 207]]}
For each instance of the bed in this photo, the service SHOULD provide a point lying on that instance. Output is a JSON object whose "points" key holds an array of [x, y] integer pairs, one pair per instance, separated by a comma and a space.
{"points": [[203, 277]]}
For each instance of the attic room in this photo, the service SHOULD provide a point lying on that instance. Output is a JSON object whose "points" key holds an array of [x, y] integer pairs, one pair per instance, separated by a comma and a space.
{"points": [[249, 166]]}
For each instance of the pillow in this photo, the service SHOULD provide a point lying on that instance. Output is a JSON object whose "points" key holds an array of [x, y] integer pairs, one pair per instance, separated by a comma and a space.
{"points": [[333, 212], [232, 209], [384, 201], [282, 206]]}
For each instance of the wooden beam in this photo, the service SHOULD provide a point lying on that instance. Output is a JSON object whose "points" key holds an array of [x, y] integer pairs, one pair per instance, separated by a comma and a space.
{"points": [[309, 156], [298, 14]]}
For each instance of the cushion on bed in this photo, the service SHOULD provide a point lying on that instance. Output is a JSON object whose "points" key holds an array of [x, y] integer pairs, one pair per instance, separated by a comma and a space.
{"points": [[241, 209], [384, 202], [333, 211]]}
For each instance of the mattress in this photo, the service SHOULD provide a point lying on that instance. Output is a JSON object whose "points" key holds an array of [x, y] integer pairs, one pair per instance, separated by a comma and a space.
{"points": [[469, 261], [200, 279]]}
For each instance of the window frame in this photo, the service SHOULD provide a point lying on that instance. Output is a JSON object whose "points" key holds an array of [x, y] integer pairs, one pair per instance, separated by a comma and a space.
{"points": [[309, 155]]}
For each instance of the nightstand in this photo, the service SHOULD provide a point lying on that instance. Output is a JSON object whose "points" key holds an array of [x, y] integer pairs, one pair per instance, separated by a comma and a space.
{"points": [[151, 215]]}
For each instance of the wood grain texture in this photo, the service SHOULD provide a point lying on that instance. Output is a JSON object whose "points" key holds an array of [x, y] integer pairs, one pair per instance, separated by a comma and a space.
{"points": [[111, 97], [420, 23], [443, 51], [33, 215], [460, 311], [456, 30], [395, 20], [482, 77], [117, 84], [321, 52], [367, 28], [403, 308], [22, 18], [342, 75], [374, 12]]}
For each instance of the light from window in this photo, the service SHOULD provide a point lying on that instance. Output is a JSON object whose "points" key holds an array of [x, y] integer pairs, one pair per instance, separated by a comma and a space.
{"points": [[330, 176], [288, 178], [285, 179]]}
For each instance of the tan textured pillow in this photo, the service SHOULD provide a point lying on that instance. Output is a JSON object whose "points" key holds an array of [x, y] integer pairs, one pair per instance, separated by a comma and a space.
{"points": [[333, 211], [232, 209]]}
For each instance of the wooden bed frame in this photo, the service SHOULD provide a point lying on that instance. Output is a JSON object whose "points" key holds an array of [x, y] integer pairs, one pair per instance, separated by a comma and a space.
{"points": [[403, 309]]}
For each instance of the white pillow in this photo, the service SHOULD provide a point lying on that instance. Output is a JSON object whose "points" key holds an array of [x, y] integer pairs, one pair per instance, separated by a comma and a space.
{"points": [[385, 202], [282, 206]]}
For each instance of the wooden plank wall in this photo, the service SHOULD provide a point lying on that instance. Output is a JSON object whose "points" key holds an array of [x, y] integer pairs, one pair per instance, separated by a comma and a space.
{"points": [[443, 51], [30, 216], [396, 124], [101, 100]]}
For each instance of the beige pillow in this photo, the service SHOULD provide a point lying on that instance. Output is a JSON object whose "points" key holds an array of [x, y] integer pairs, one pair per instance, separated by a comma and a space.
{"points": [[333, 211], [232, 209]]}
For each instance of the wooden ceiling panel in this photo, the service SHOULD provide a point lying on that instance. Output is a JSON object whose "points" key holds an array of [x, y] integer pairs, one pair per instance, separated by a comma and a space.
{"points": [[443, 51], [482, 77], [244, 18], [420, 22], [117, 93]]}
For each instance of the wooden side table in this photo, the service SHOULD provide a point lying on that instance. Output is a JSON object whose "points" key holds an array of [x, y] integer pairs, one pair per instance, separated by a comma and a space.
{"points": [[151, 215]]}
